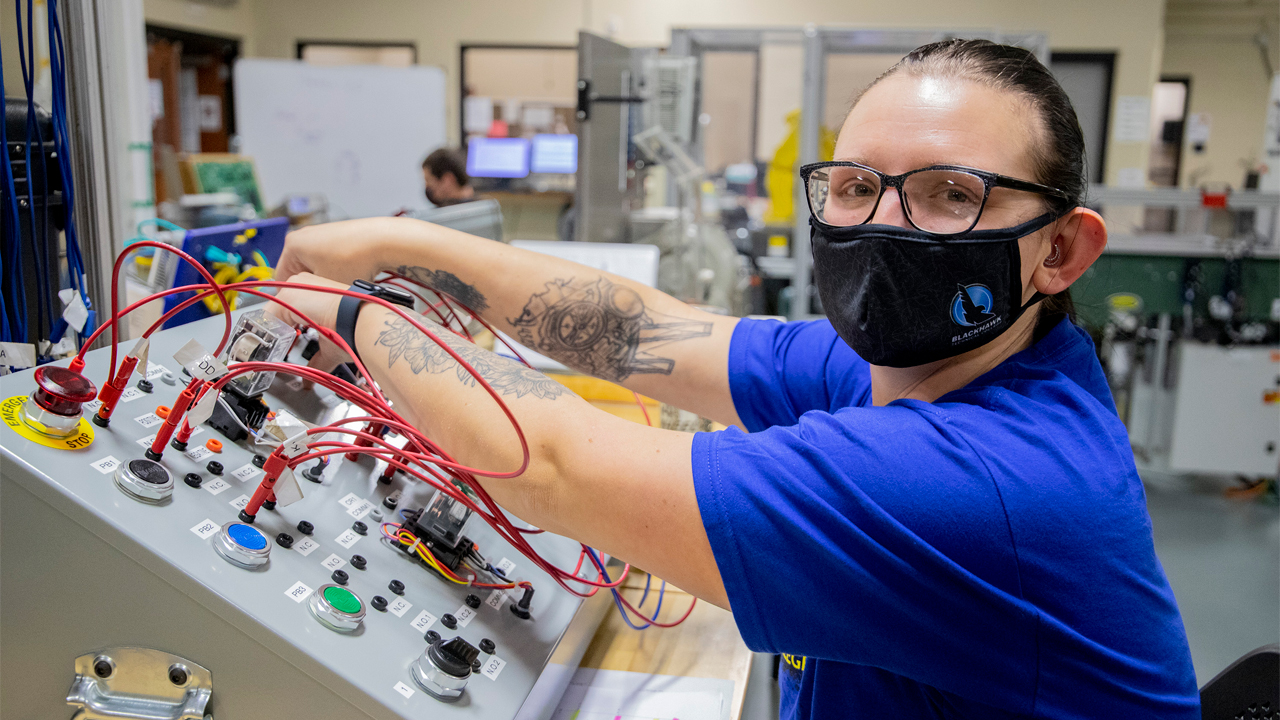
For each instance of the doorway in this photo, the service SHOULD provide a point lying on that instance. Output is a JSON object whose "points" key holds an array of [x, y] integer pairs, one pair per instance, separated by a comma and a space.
{"points": [[192, 99]]}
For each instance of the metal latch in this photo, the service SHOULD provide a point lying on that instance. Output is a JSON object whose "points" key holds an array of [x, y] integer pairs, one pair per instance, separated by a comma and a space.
{"points": [[138, 684], [586, 97]]}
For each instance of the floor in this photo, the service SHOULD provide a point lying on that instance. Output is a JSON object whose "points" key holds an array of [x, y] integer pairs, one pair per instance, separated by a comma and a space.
{"points": [[1222, 558]]}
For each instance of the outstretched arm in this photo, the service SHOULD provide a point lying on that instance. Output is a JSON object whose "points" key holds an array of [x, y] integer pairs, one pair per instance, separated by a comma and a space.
{"points": [[593, 321], [622, 487]]}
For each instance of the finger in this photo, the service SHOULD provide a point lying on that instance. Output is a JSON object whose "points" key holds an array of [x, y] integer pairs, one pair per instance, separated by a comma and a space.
{"points": [[291, 262]]}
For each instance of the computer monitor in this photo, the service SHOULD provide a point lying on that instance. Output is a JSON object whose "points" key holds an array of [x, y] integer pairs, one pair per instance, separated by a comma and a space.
{"points": [[555, 154], [498, 157]]}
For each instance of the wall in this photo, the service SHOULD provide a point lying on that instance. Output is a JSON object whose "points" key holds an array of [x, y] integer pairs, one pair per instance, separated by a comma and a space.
{"points": [[1133, 28], [237, 21], [1215, 45]]}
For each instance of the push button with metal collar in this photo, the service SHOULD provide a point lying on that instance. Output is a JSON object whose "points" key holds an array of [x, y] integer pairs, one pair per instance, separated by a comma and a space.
{"points": [[242, 545], [337, 608], [145, 481]]}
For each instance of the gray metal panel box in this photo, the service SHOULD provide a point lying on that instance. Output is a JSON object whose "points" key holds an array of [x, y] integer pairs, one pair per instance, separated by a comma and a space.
{"points": [[86, 566]]}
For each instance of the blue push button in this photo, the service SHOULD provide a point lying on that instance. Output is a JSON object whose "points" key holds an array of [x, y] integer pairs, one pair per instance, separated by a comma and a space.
{"points": [[247, 537]]}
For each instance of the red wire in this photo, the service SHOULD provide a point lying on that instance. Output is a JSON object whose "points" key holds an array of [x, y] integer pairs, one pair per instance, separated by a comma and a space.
{"points": [[115, 296], [419, 450]]}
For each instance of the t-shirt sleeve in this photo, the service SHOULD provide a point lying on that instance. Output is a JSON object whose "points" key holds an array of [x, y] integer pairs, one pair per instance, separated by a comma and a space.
{"points": [[779, 371], [874, 537]]}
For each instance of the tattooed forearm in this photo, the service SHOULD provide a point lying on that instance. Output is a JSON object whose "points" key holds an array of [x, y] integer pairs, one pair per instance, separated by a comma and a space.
{"points": [[447, 283], [422, 353], [598, 327]]}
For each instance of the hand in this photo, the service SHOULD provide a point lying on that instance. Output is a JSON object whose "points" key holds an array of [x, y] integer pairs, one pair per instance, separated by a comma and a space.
{"points": [[341, 251], [320, 310]]}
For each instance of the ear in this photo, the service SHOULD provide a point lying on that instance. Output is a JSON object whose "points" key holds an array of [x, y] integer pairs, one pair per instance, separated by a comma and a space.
{"points": [[1080, 237]]}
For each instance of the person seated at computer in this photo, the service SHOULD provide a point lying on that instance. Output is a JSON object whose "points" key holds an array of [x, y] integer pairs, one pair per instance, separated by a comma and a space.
{"points": [[444, 175]]}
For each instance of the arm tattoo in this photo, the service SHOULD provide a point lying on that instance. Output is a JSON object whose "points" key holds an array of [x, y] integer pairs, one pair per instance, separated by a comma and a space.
{"points": [[506, 376], [447, 283], [597, 327]]}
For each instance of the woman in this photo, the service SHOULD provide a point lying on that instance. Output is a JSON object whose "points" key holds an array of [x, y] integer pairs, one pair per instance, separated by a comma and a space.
{"points": [[936, 512]]}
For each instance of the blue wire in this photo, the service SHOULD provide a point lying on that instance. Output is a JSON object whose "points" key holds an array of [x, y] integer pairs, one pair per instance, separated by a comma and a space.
{"points": [[617, 599], [16, 307], [61, 137], [26, 58]]}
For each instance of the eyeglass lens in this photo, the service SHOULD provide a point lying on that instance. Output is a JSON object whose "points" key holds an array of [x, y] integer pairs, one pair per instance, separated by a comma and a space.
{"points": [[937, 201]]}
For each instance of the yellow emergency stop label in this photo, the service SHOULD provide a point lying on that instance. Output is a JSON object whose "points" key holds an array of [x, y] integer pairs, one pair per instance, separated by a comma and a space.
{"points": [[11, 414]]}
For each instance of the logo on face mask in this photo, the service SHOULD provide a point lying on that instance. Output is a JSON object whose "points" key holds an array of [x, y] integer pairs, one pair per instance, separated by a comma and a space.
{"points": [[972, 305]]}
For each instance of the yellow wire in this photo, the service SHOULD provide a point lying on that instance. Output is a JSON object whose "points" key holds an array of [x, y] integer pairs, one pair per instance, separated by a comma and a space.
{"points": [[407, 538]]}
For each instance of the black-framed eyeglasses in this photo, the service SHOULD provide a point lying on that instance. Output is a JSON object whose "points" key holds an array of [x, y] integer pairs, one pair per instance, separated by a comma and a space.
{"points": [[939, 199]]}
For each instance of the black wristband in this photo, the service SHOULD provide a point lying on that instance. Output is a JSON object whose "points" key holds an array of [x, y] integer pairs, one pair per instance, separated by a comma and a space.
{"points": [[349, 313], [349, 307]]}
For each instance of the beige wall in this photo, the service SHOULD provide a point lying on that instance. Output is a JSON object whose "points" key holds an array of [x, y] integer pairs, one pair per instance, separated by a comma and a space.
{"points": [[9, 43], [1133, 28], [237, 21], [1215, 45]]}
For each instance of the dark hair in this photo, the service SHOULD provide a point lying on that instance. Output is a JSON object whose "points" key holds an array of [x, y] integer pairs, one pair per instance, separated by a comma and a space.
{"points": [[1059, 160], [449, 161]]}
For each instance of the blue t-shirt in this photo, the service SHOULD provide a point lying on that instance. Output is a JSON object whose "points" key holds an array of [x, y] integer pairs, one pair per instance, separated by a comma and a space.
{"points": [[986, 555]]}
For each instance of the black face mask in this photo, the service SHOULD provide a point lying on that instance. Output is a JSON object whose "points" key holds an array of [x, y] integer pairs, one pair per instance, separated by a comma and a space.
{"points": [[901, 297]]}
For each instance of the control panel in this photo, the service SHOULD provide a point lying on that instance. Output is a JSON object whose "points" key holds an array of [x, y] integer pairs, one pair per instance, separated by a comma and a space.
{"points": [[311, 599]]}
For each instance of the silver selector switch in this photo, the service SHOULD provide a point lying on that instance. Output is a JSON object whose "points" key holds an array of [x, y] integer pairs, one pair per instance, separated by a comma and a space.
{"points": [[444, 668], [242, 545], [144, 480]]}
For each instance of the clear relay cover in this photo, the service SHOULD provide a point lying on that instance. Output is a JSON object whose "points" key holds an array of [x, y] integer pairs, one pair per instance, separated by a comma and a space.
{"points": [[258, 336]]}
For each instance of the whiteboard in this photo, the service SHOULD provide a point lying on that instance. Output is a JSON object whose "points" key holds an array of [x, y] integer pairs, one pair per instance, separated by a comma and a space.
{"points": [[633, 262], [355, 134]]}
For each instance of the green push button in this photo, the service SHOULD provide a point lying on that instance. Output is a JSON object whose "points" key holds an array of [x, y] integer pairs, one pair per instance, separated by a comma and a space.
{"points": [[342, 600]]}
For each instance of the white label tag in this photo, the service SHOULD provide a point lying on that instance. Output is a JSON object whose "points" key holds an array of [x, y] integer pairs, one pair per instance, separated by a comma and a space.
{"points": [[205, 530], [130, 394], [465, 615], [245, 472], [305, 546], [105, 465], [155, 370], [403, 689], [149, 420], [198, 362], [203, 409], [506, 567], [76, 313], [142, 350], [423, 621], [492, 667], [496, 599], [241, 502], [216, 486], [360, 509], [349, 500], [92, 406], [17, 355], [64, 347], [287, 489], [399, 607], [298, 592], [333, 562], [199, 453], [347, 539], [296, 445], [146, 441]]}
